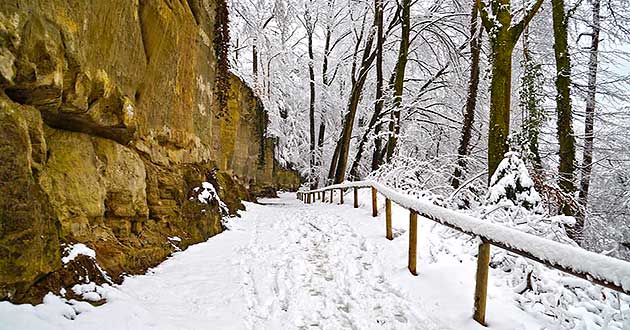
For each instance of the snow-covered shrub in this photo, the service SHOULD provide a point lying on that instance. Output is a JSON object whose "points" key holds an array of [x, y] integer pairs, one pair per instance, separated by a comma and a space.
{"points": [[511, 183], [512, 200], [570, 302], [425, 178]]}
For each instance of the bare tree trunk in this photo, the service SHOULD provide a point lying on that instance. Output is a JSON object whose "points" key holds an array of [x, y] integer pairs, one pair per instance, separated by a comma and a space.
{"points": [[471, 99], [563, 108], [353, 103], [378, 105], [333, 162], [255, 65], [326, 84], [503, 35], [587, 158], [379, 151], [377, 155], [346, 133], [320, 145], [394, 125], [311, 111]]}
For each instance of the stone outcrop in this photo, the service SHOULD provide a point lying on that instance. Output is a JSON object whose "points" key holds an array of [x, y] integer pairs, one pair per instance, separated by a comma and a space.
{"points": [[108, 121]]}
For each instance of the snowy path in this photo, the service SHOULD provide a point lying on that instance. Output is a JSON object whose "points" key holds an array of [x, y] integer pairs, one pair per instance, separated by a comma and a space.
{"points": [[287, 265], [307, 268]]}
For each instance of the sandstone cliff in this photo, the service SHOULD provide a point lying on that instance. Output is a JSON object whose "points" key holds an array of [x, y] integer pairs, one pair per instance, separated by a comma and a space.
{"points": [[108, 121]]}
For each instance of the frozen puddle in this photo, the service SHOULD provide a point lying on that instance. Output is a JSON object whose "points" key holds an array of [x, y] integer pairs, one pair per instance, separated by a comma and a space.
{"points": [[285, 265]]}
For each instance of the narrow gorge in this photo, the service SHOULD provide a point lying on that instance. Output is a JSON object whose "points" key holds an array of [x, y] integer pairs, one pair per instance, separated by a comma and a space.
{"points": [[109, 127]]}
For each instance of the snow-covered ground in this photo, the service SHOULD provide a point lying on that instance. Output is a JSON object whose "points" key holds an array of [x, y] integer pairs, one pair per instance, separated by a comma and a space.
{"points": [[287, 265]]}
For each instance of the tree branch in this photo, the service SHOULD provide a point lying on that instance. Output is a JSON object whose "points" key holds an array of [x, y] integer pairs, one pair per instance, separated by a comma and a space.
{"points": [[483, 12], [517, 29]]}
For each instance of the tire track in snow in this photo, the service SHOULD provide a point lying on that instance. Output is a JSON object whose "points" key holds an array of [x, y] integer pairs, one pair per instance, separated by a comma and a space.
{"points": [[306, 268]]}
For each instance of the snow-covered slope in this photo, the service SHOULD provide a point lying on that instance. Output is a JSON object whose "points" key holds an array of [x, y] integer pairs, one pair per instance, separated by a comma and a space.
{"points": [[287, 265]]}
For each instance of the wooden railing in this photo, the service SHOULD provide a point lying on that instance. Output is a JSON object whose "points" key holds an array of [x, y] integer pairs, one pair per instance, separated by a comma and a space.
{"points": [[596, 268]]}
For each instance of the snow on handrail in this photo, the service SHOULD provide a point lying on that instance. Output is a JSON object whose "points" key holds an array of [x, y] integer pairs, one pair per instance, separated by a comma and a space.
{"points": [[600, 269]]}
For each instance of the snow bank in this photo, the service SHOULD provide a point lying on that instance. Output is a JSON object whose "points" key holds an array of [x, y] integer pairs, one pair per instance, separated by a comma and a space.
{"points": [[578, 260]]}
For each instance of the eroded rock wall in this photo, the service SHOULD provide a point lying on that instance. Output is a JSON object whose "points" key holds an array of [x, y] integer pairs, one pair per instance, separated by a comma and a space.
{"points": [[108, 121]]}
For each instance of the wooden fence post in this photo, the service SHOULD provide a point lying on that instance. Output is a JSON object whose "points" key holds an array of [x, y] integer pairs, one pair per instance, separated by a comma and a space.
{"points": [[341, 196], [374, 206], [388, 219], [356, 197], [332, 196], [413, 241], [481, 285]]}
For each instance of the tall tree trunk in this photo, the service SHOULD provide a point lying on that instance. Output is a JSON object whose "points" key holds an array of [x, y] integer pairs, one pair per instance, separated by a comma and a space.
{"points": [[325, 83], [346, 133], [563, 108], [379, 151], [378, 105], [377, 154], [503, 35], [255, 65], [320, 144], [403, 51], [587, 157], [471, 99], [355, 95], [311, 111], [333, 162], [501, 88]]}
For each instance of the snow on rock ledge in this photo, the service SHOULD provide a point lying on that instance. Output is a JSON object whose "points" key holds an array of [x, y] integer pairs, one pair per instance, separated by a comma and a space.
{"points": [[75, 250], [207, 193]]}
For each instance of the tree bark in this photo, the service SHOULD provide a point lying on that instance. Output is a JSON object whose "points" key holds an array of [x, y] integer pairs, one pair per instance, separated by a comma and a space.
{"points": [[399, 80], [333, 162], [353, 103], [346, 134], [563, 107], [311, 110], [379, 151], [471, 99], [587, 157], [503, 36], [378, 105], [325, 83], [255, 65]]}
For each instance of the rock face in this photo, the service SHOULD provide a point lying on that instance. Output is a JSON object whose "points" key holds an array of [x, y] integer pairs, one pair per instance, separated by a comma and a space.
{"points": [[108, 121]]}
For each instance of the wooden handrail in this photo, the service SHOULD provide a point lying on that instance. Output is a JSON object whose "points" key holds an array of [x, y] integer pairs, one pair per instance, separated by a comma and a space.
{"points": [[606, 271]]}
